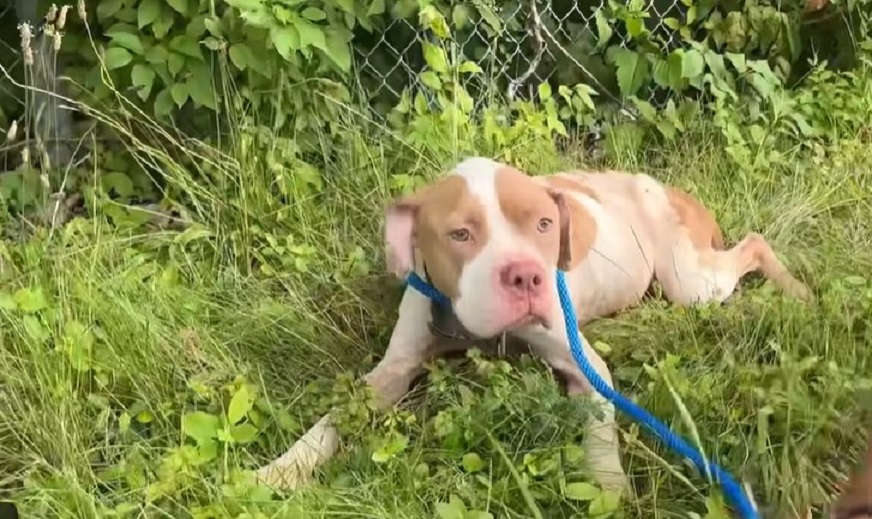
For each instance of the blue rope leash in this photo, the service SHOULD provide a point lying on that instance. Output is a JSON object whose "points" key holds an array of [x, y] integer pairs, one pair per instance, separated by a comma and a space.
{"points": [[732, 490]]}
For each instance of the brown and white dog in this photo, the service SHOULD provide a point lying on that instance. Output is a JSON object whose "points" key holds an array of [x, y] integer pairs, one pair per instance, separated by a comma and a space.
{"points": [[490, 238]]}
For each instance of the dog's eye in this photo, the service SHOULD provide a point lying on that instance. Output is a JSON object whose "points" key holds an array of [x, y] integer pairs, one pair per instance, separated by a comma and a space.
{"points": [[459, 234], [544, 224]]}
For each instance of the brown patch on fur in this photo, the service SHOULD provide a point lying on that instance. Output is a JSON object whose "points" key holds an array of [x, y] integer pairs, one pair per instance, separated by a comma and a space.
{"points": [[525, 201], [700, 223], [441, 208], [568, 182]]}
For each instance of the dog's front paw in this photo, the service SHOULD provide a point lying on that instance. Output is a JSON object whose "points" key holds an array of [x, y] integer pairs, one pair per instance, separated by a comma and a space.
{"points": [[283, 475], [296, 467]]}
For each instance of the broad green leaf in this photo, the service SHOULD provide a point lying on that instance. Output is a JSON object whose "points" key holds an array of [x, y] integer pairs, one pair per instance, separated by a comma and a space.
{"points": [[430, 80], [240, 55], [286, 40], [78, 344], [675, 63], [376, 7], [127, 40], [106, 9], [119, 182], [395, 444], [30, 300], [163, 103], [460, 16], [142, 76], [245, 5], [544, 91], [161, 27], [175, 63], [157, 54], [7, 302], [339, 52], [582, 491], [186, 46], [453, 509], [213, 25], [738, 62], [180, 6], [201, 426], [314, 14], [240, 404], [147, 13], [243, 433], [179, 91], [605, 503], [692, 64], [603, 29], [310, 35], [632, 71], [435, 58], [116, 57], [472, 462], [469, 67]]}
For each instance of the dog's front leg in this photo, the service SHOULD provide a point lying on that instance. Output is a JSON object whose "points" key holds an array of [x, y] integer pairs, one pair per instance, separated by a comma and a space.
{"points": [[601, 435], [389, 380]]}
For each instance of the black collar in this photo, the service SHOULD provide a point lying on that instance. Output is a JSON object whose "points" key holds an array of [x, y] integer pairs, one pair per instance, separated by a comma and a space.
{"points": [[445, 323]]}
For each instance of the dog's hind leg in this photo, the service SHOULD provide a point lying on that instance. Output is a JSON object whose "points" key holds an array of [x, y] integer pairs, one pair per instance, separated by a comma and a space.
{"points": [[689, 275], [407, 350]]}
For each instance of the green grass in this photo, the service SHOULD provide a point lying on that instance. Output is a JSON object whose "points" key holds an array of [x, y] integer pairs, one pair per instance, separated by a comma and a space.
{"points": [[112, 335]]}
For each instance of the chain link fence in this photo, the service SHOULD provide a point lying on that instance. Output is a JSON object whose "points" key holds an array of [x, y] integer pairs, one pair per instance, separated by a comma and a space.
{"points": [[518, 45]]}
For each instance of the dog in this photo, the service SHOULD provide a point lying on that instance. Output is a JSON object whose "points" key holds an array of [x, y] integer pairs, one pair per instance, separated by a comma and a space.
{"points": [[490, 238]]}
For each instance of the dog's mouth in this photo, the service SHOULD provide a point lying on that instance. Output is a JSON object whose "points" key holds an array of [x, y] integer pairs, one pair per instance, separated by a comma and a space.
{"points": [[530, 319]]}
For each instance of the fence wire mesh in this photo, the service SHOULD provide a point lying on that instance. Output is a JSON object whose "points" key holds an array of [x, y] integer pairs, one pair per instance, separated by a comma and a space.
{"points": [[518, 45]]}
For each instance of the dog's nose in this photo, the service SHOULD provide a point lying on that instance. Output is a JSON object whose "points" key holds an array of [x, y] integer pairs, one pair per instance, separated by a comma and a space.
{"points": [[523, 277]]}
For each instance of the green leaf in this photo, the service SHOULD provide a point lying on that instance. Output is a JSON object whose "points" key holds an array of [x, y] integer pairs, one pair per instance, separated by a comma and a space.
{"points": [[692, 64], [30, 300], [738, 62], [544, 91], [175, 63], [395, 444], [376, 7], [240, 55], [179, 91], [78, 344], [142, 77], [245, 5], [453, 509], [157, 54], [430, 80], [339, 52], [127, 40], [286, 40], [605, 503], [460, 16], [147, 13], [603, 29], [200, 426], [310, 35], [244, 433], [314, 14], [240, 404], [107, 8], [186, 46], [116, 57], [181, 6], [7, 302], [472, 462], [435, 58], [632, 71], [582, 491], [675, 63], [469, 67], [200, 87], [163, 24], [163, 103], [119, 182]]}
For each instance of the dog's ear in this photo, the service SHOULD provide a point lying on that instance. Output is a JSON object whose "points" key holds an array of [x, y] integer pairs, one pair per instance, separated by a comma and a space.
{"points": [[400, 224], [564, 260]]}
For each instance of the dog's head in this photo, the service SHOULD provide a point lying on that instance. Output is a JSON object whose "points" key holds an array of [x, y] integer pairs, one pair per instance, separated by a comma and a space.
{"points": [[489, 237]]}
